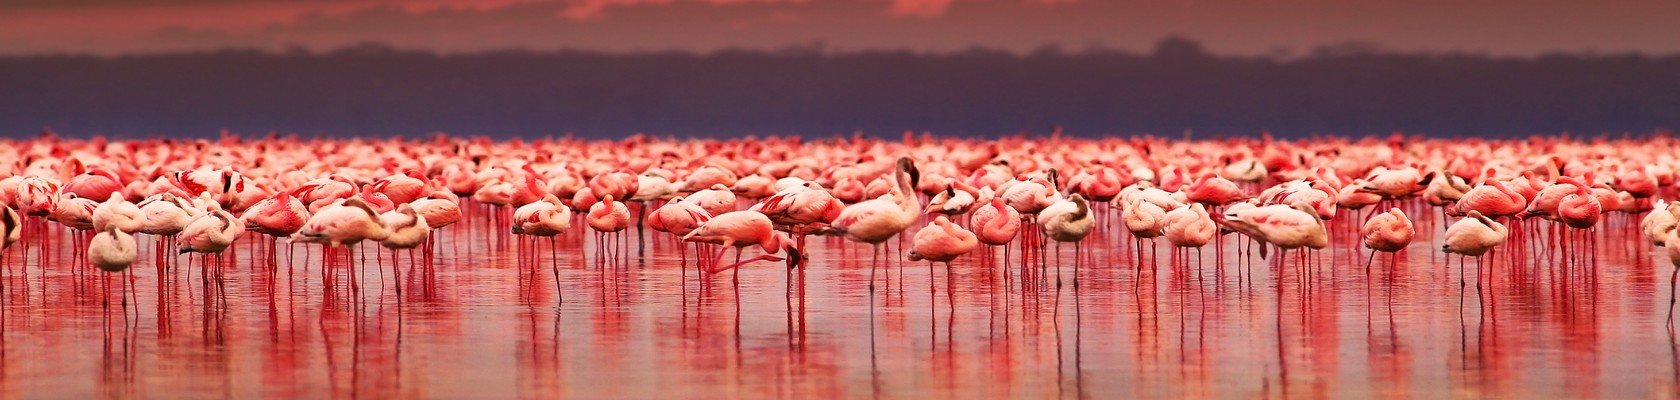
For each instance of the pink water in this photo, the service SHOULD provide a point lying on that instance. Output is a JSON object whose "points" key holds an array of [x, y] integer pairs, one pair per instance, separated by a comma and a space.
{"points": [[484, 324]]}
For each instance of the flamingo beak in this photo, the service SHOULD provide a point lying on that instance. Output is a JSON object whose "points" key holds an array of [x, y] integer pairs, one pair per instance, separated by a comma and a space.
{"points": [[793, 258]]}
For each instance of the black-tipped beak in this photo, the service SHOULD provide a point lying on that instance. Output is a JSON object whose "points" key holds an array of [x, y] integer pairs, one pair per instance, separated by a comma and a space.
{"points": [[794, 259]]}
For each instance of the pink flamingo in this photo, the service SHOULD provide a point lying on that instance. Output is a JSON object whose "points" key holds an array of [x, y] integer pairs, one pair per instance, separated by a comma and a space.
{"points": [[800, 209], [942, 241], [738, 230], [1388, 233], [1284, 227], [679, 218], [1473, 236], [1190, 226], [113, 250], [119, 213], [877, 220], [405, 187], [278, 216], [1214, 191], [211, 234], [96, 183], [606, 217], [996, 224], [341, 224], [408, 230], [1066, 221], [1492, 199]]}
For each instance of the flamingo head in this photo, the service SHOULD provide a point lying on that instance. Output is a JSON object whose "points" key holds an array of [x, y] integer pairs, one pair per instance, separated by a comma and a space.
{"points": [[781, 241], [1427, 177], [909, 168]]}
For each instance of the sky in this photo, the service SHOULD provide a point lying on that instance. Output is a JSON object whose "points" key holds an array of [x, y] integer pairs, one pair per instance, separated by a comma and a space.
{"points": [[1235, 27]]}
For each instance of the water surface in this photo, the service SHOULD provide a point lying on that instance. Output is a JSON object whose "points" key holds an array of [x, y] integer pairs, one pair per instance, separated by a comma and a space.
{"points": [[485, 320]]}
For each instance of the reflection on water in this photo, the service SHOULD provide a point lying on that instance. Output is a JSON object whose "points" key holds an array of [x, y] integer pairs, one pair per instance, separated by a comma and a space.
{"points": [[485, 320]]}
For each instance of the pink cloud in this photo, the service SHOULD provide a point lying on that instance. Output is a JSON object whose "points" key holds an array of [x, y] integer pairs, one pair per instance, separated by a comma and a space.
{"points": [[586, 9], [919, 8]]}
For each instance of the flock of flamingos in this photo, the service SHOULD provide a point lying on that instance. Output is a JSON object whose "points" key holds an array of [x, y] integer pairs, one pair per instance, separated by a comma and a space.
{"points": [[1537, 198]]}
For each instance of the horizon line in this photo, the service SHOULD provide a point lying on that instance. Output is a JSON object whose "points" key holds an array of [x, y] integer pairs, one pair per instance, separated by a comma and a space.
{"points": [[1171, 44]]}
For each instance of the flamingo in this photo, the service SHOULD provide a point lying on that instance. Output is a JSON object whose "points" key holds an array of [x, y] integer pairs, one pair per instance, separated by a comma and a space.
{"points": [[37, 196], [1671, 248], [678, 218], [1473, 236], [403, 187], [942, 241], [1492, 198], [408, 230], [119, 213], [1397, 183], [996, 224], [1213, 191], [877, 220], [1144, 220], [278, 216], [113, 250], [74, 212], [800, 209], [951, 200], [707, 177], [1388, 232], [1659, 221], [546, 217], [441, 208], [1445, 190], [1579, 210], [210, 233], [754, 186], [606, 217], [1068, 221], [1189, 226], [741, 229], [342, 223], [716, 200], [96, 183], [11, 227], [1282, 226], [165, 216]]}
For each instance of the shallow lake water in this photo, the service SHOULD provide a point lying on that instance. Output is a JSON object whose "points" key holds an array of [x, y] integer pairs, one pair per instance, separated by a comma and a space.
{"points": [[1581, 318]]}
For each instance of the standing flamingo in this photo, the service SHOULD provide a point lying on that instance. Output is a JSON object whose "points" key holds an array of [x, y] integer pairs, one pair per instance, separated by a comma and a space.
{"points": [[996, 224], [1388, 233], [1068, 221], [800, 209], [1284, 227], [877, 220], [738, 230], [1190, 226], [113, 250], [1473, 236], [607, 217], [408, 230], [1659, 221], [942, 241]]}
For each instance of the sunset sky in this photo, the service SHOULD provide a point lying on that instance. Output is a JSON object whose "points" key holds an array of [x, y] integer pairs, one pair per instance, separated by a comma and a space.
{"points": [[1270, 27]]}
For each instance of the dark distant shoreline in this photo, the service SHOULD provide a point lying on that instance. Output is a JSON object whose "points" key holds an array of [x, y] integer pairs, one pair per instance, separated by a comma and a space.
{"points": [[373, 90]]}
